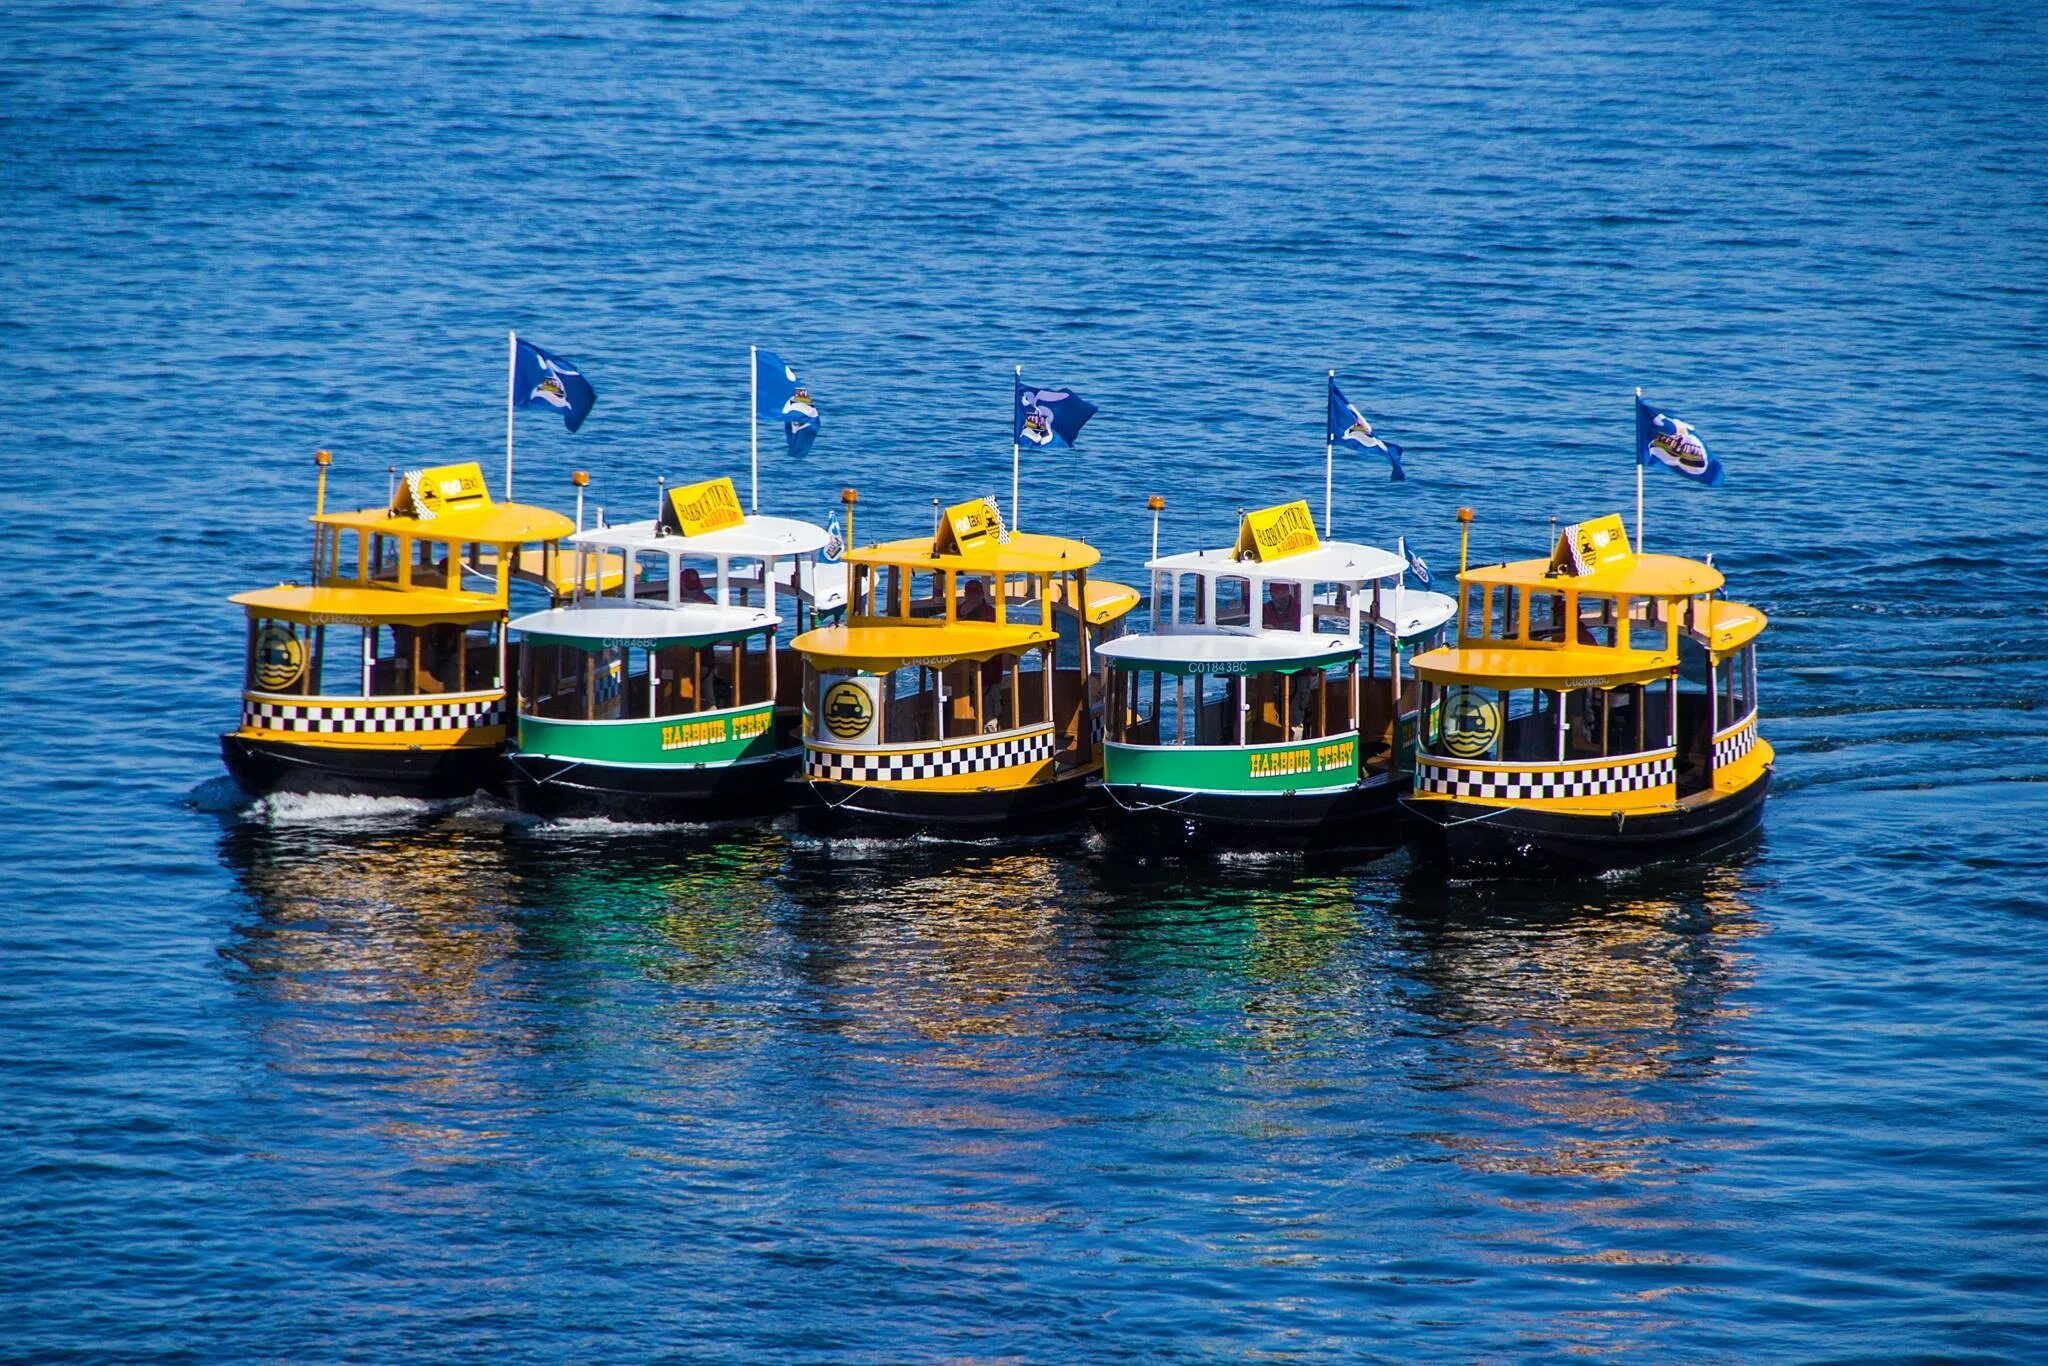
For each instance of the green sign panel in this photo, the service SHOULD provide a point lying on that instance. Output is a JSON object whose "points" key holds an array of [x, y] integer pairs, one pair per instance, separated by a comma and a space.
{"points": [[716, 737], [1298, 767]]}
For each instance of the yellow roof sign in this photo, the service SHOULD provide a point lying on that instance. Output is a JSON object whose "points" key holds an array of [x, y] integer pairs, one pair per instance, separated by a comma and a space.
{"points": [[1276, 532], [694, 509], [969, 526], [428, 493], [1587, 547]]}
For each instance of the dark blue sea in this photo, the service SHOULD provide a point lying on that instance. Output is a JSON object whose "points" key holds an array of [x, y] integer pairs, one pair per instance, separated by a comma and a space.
{"points": [[338, 1081]]}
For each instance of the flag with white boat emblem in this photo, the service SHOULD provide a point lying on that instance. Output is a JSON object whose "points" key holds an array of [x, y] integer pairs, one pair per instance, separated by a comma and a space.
{"points": [[779, 396], [1348, 427], [1663, 440], [541, 379], [1049, 417]]}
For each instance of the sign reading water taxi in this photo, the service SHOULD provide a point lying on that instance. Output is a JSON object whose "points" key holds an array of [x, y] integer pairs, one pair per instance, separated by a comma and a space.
{"points": [[970, 525], [694, 509], [428, 493], [1275, 533]]}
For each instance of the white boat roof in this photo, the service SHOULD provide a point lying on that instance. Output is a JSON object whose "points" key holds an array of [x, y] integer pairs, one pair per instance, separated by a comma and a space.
{"points": [[1288, 647], [1407, 612], [1330, 562], [822, 583], [755, 538], [611, 619]]}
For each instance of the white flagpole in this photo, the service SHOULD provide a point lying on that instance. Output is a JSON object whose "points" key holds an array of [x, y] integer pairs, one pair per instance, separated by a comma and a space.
{"points": [[1016, 454], [1639, 480], [511, 369], [754, 417], [1328, 447]]}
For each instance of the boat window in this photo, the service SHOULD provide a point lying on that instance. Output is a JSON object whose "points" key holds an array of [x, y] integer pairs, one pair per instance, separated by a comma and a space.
{"points": [[1280, 606], [746, 583], [1068, 624], [1161, 598], [1646, 625], [1597, 624], [909, 705], [1023, 600], [1193, 609], [1330, 607], [1477, 611], [1467, 724], [1134, 710], [696, 579], [1531, 734], [926, 595], [1546, 616], [283, 657], [974, 597], [1737, 677], [1508, 626], [1233, 600], [1585, 712]]}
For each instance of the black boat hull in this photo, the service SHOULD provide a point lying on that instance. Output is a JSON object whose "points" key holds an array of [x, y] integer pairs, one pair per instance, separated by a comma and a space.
{"points": [[829, 808], [554, 788], [264, 767], [1483, 838], [1150, 820]]}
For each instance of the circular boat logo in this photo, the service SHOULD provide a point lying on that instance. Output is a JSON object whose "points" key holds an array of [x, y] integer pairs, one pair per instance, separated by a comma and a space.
{"points": [[1471, 723], [280, 658], [848, 710]]}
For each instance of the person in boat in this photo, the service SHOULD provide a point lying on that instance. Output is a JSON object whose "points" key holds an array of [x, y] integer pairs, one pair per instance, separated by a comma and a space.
{"points": [[1283, 609], [692, 587], [974, 603]]}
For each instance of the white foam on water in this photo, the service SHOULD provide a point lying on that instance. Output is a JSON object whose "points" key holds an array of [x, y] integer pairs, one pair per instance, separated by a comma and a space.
{"points": [[293, 808]]}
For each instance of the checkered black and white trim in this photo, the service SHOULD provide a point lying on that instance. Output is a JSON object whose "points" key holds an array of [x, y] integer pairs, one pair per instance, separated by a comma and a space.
{"points": [[1536, 784], [397, 718], [1733, 743], [903, 765]]}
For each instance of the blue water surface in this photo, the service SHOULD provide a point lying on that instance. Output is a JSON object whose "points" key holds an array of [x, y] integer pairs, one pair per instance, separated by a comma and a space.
{"points": [[314, 1080]]}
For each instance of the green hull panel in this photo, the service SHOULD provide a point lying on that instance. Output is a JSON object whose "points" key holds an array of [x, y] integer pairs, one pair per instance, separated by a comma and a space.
{"points": [[1256, 769], [717, 737]]}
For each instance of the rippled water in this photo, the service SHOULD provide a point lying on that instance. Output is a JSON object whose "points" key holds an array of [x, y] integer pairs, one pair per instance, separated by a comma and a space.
{"points": [[325, 1080]]}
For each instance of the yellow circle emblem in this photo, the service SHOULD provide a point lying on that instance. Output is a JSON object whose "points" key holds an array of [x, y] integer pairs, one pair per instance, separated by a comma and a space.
{"points": [[848, 710], [1471, 723], [280, 658]]}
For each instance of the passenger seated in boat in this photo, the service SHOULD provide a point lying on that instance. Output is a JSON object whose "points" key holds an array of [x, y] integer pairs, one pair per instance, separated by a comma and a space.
{"points": [[692, 586], [1303, 702], [974, 603], [1283, 610]]}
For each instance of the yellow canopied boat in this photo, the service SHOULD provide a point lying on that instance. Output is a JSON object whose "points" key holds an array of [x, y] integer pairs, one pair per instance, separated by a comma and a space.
{"points": [[959, 694], [1598, 710]]}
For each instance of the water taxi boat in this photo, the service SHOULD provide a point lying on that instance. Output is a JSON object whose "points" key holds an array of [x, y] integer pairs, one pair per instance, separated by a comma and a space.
{"points": [[1268, 706], [1599, 710], [671, 698], [955, 696], [413, 596]]}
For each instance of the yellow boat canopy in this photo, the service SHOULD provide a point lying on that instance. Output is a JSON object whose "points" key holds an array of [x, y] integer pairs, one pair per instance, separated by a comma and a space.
{"points": [[878, 649], [970, 540], [1647, 575], [1493, 666], [449, 503], [1732, 625], [1106, 601], [372, 605]]}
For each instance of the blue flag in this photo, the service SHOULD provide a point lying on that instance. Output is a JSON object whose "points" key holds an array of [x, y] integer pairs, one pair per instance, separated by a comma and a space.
{"points": [[1348, 427], [1663, 440], [779, 396], [1416, 564], [543, 380], [1049, 417]]}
